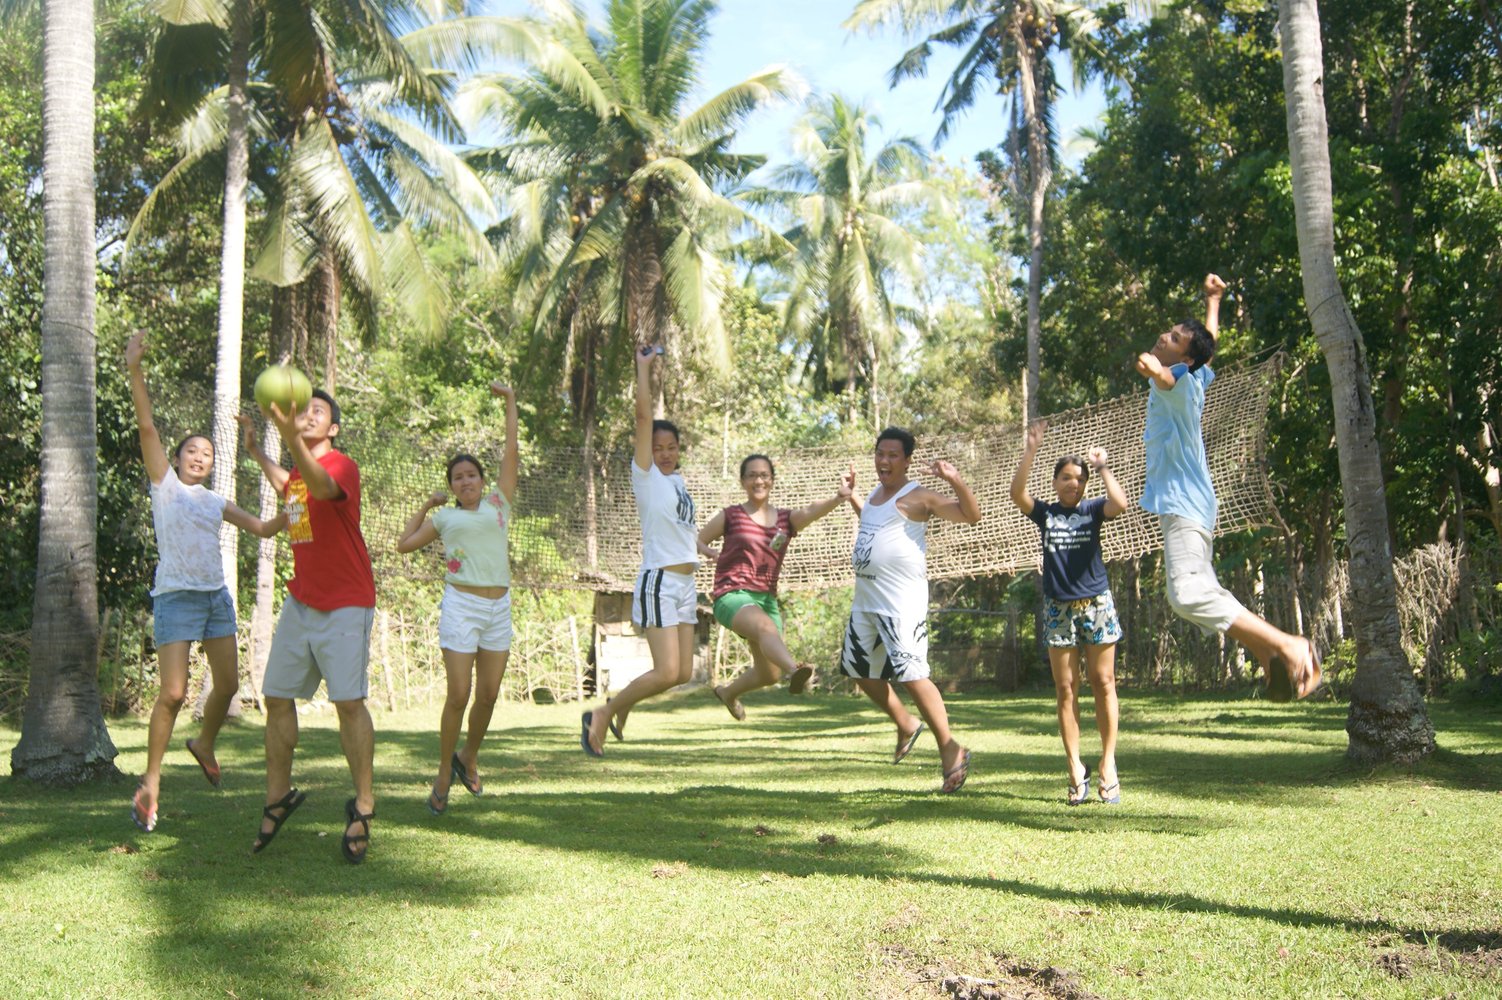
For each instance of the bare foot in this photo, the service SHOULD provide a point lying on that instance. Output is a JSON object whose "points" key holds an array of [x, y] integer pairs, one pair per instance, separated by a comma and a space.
{"points": [[597, 726]]}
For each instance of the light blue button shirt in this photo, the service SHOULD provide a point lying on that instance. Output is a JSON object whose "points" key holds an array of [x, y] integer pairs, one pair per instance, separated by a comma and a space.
{"points": [[1178, 474]]}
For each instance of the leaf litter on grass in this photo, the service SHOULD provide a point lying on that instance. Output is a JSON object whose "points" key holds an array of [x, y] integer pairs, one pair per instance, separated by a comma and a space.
{"points": [[1006, 979]]}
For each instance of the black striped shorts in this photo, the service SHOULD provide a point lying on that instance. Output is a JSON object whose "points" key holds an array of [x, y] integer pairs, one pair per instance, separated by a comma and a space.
{"points": [[662, 599]]}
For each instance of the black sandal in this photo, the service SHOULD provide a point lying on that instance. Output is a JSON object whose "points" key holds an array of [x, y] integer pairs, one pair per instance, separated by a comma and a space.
{"points": [[461, 773], [287, 804], [353, 814]]}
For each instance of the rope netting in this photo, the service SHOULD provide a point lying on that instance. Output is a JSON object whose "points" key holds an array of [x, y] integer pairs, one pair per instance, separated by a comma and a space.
{"points": [[554, 544]]}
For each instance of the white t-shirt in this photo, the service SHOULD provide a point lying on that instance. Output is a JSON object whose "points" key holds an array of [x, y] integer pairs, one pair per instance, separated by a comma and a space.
{"points": [[187, 520], [668, 534], [890, 560]]}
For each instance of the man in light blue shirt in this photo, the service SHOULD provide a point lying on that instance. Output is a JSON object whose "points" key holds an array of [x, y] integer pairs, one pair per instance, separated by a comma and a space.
{"points": [[1179, 491]]}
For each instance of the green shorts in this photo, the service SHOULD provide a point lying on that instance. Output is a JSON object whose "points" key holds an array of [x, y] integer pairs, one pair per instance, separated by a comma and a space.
{"points": [[730, 602]]}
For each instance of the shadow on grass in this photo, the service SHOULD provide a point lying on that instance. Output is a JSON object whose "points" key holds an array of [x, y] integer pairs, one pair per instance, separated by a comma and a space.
{"points": [[226, 913]]}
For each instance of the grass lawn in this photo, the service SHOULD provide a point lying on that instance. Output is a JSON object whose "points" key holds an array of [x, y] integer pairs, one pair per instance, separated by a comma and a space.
{"points": [[781, 857]]}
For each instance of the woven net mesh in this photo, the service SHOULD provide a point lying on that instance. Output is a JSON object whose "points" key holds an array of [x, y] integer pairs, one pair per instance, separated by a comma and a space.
{"points": [[550, 531]]}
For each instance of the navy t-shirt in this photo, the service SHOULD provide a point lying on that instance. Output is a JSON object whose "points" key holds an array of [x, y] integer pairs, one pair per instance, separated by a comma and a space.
{"points": [[1072, 567]]}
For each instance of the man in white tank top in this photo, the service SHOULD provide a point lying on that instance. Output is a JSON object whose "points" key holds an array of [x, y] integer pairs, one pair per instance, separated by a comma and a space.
{"points": [[886, 641]]}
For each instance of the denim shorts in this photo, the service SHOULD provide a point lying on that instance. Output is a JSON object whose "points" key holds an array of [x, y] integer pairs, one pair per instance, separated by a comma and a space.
{"points": [[192, 615]]}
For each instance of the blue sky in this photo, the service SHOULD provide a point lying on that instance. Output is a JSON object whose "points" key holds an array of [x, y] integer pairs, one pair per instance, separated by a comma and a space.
{"points": [[806, 35]]}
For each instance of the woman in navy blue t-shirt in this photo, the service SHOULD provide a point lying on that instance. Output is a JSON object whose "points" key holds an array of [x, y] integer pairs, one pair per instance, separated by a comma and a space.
{"points": [[1077, 609]]}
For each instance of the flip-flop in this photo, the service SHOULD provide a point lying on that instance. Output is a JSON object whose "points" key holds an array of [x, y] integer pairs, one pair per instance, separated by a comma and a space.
{"points": [[210, 771], [954, 778], [1083, 786], [907, 747], [437, 804], [798, 683], [737, 711], [287, 804], [585, 720], [140, 817], [617, 730], [352, 814], [1110, 794], [461, 775]]}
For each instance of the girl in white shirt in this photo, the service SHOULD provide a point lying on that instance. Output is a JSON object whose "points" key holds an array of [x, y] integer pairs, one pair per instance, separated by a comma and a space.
{"points": [[662, 602], [474, 623], [190, 601]]}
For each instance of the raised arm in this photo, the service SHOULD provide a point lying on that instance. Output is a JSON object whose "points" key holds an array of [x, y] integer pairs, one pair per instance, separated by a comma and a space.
{"points": [[152, 452], [710, 532], [961, 508], [246, 521], [511, 460], [1030, 445], [804, 516], [644, 358], [275, 475], [1116, 498], [1215, 290], [419, 531], [321, 485]]}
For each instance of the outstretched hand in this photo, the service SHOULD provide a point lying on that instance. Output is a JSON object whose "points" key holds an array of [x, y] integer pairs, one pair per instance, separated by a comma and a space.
{"points": [[1215, 286], [285, 422], [247, 433], [846, 489], [1035, 432], [135, 349], [944, 470]]}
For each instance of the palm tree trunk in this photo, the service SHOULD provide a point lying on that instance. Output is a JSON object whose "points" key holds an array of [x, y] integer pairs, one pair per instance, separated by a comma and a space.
{"points": [[1040, 175], [1387, 719], [63, 736], [231, 305]]}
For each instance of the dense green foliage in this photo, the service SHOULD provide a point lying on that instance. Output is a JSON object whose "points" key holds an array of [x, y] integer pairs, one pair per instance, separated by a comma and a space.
{"points": [[1189, 173]]}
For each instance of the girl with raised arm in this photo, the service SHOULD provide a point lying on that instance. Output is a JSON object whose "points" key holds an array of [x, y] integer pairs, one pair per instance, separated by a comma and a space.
{"points": [[1078, 610], [474, 623], [756, 536], [663, 602], [189, 600]]}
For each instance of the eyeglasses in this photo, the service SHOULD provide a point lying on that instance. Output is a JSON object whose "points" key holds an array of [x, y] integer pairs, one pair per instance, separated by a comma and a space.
{"points": [[754, 476]]}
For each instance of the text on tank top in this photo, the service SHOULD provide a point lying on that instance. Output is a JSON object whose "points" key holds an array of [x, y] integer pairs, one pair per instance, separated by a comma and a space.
{"points": [[890, 559]]}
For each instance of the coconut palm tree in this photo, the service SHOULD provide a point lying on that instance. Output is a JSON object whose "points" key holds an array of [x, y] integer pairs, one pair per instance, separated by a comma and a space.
{"points": [[613, 188], [1387, 721], [614, 184], [849, 204], [63, 736], [1008, 44]]}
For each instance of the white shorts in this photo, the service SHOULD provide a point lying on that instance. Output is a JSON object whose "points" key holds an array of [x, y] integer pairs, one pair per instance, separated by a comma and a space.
{"points": [[468, 623], [1193, 591], [663, 599], [886, 647]]}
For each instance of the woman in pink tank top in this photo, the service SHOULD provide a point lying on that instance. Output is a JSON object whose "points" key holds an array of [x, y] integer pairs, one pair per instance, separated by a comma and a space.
{"points": [[755, 539]]}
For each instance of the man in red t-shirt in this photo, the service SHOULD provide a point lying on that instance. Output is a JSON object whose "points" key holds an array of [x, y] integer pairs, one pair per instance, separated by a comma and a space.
{"points": [[323, 632]]}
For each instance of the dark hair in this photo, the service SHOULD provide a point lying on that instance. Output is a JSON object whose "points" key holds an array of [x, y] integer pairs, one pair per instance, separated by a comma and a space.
{"points": [[1071, 460], [333, 406], [665, 425], [902, 437], [463, 457], [752, 458], [177, 452], [1201, 343]]}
